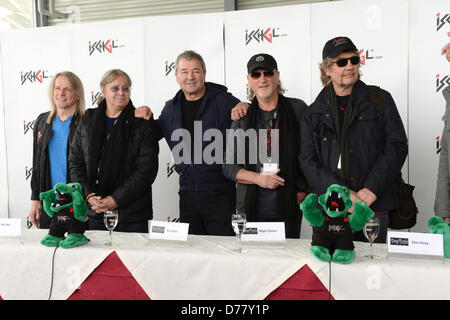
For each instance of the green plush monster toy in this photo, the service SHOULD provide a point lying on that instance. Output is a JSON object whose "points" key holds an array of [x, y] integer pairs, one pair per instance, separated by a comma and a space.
{"points": [[438, 225], [67, 209], [332, 237]]}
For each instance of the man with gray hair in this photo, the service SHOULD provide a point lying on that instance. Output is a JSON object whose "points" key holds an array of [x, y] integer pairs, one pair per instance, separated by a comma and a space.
{"points": [[352, 135], [207, 197], [270, 185]]}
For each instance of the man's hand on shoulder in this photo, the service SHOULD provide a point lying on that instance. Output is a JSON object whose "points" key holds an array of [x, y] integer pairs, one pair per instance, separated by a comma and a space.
{"points": [[143, 112], [446, 50], [239, 111]]}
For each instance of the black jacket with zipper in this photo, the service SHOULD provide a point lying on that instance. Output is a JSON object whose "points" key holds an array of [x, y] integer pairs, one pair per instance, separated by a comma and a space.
{"points": [[133, 192], [377, 147], [42, 133], [40, 178]]}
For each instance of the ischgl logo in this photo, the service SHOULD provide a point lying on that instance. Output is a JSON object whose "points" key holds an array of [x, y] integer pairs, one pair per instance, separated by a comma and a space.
{"points": [[33, 76], [262, 35], [169, 67], [367, 55], [442, 81], [28, 172], [103, 46], [94, 96], [442, 20], [27, 126]]}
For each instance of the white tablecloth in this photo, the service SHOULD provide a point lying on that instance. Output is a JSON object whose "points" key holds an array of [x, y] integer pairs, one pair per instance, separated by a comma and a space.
{"points": [[207, 268], [26, 267], [387, 278]]}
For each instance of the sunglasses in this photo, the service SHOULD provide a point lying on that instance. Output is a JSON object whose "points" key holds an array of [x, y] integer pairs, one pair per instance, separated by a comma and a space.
{"points": [[117, 89], [343, 62], [257, 74]]}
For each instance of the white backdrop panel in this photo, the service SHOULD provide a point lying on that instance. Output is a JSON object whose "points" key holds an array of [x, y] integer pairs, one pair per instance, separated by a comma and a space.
{"points": [[283, 32], [378, 30], [29, 60], [3, 163], [109, 45], [429, 73], [202, 33]]}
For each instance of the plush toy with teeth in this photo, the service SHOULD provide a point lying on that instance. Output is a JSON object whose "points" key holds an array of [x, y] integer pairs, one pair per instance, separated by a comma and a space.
{"points": [[332, 237], [438, 225], [66, 207]]}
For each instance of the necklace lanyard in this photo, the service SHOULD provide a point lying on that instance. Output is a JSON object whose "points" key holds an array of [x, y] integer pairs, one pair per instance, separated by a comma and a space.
{"points": [[273, 123]]}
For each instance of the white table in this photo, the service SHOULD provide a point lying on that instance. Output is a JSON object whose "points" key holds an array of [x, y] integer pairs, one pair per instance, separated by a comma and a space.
{"points": [[207, 268]]}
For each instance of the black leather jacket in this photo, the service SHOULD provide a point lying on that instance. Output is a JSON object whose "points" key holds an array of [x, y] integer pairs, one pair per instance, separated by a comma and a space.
{"points": [[42, 133], [133, 192]]}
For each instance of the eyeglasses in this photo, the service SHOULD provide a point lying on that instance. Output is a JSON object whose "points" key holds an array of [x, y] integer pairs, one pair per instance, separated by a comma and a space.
{"points": [[117, 89], [257, 74], [343, 62]]}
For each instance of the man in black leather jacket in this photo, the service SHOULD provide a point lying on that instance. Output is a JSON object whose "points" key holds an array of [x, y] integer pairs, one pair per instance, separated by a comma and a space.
{"points": [[67, 109]]}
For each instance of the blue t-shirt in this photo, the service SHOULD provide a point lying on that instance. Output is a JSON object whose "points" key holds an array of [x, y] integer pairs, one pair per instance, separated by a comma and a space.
{"points": [[57, 150]]}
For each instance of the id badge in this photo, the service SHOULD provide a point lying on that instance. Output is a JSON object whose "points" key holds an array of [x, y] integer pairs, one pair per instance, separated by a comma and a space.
{"points": [[270, 167]]}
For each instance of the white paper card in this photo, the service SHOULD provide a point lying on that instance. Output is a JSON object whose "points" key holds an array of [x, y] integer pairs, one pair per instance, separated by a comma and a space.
{"points": [[264, 231], [415, 243], [168, 230], [270, 167], [10, 228]]}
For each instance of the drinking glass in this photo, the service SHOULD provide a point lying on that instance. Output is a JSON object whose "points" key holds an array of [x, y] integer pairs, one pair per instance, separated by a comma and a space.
{"points": [[110, 218], [371, 230], [238, 222]]}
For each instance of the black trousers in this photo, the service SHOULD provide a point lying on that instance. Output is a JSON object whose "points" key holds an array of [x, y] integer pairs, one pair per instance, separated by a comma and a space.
{"points": [[208, 212]]}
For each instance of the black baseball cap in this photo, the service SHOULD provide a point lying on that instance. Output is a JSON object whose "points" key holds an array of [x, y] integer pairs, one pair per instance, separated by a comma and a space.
{"points": [[263, 61], [337, 45]]}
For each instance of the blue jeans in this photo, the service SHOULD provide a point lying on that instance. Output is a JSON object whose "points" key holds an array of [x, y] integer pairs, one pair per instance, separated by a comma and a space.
{"points": [[141, 226]]}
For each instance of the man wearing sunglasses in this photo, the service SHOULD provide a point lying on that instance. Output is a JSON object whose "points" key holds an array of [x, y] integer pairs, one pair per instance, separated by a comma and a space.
{"points": [[353, 135], [269, 187]]}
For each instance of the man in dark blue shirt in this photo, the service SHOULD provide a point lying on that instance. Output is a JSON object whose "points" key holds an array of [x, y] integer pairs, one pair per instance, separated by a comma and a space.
{"points": [[207, 197]]}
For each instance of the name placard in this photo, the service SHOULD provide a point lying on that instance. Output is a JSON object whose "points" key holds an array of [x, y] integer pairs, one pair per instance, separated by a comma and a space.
{"points": [[415, 243], [264, 231], [168, 230], [10, 228]]}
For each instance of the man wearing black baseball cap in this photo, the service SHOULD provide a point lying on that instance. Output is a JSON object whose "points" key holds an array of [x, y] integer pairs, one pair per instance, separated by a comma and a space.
{"points": [[271, 188], [353, 135]]}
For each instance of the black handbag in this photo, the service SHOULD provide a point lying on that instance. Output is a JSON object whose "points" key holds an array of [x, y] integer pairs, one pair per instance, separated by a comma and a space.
{"points": [[405, 217]]}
